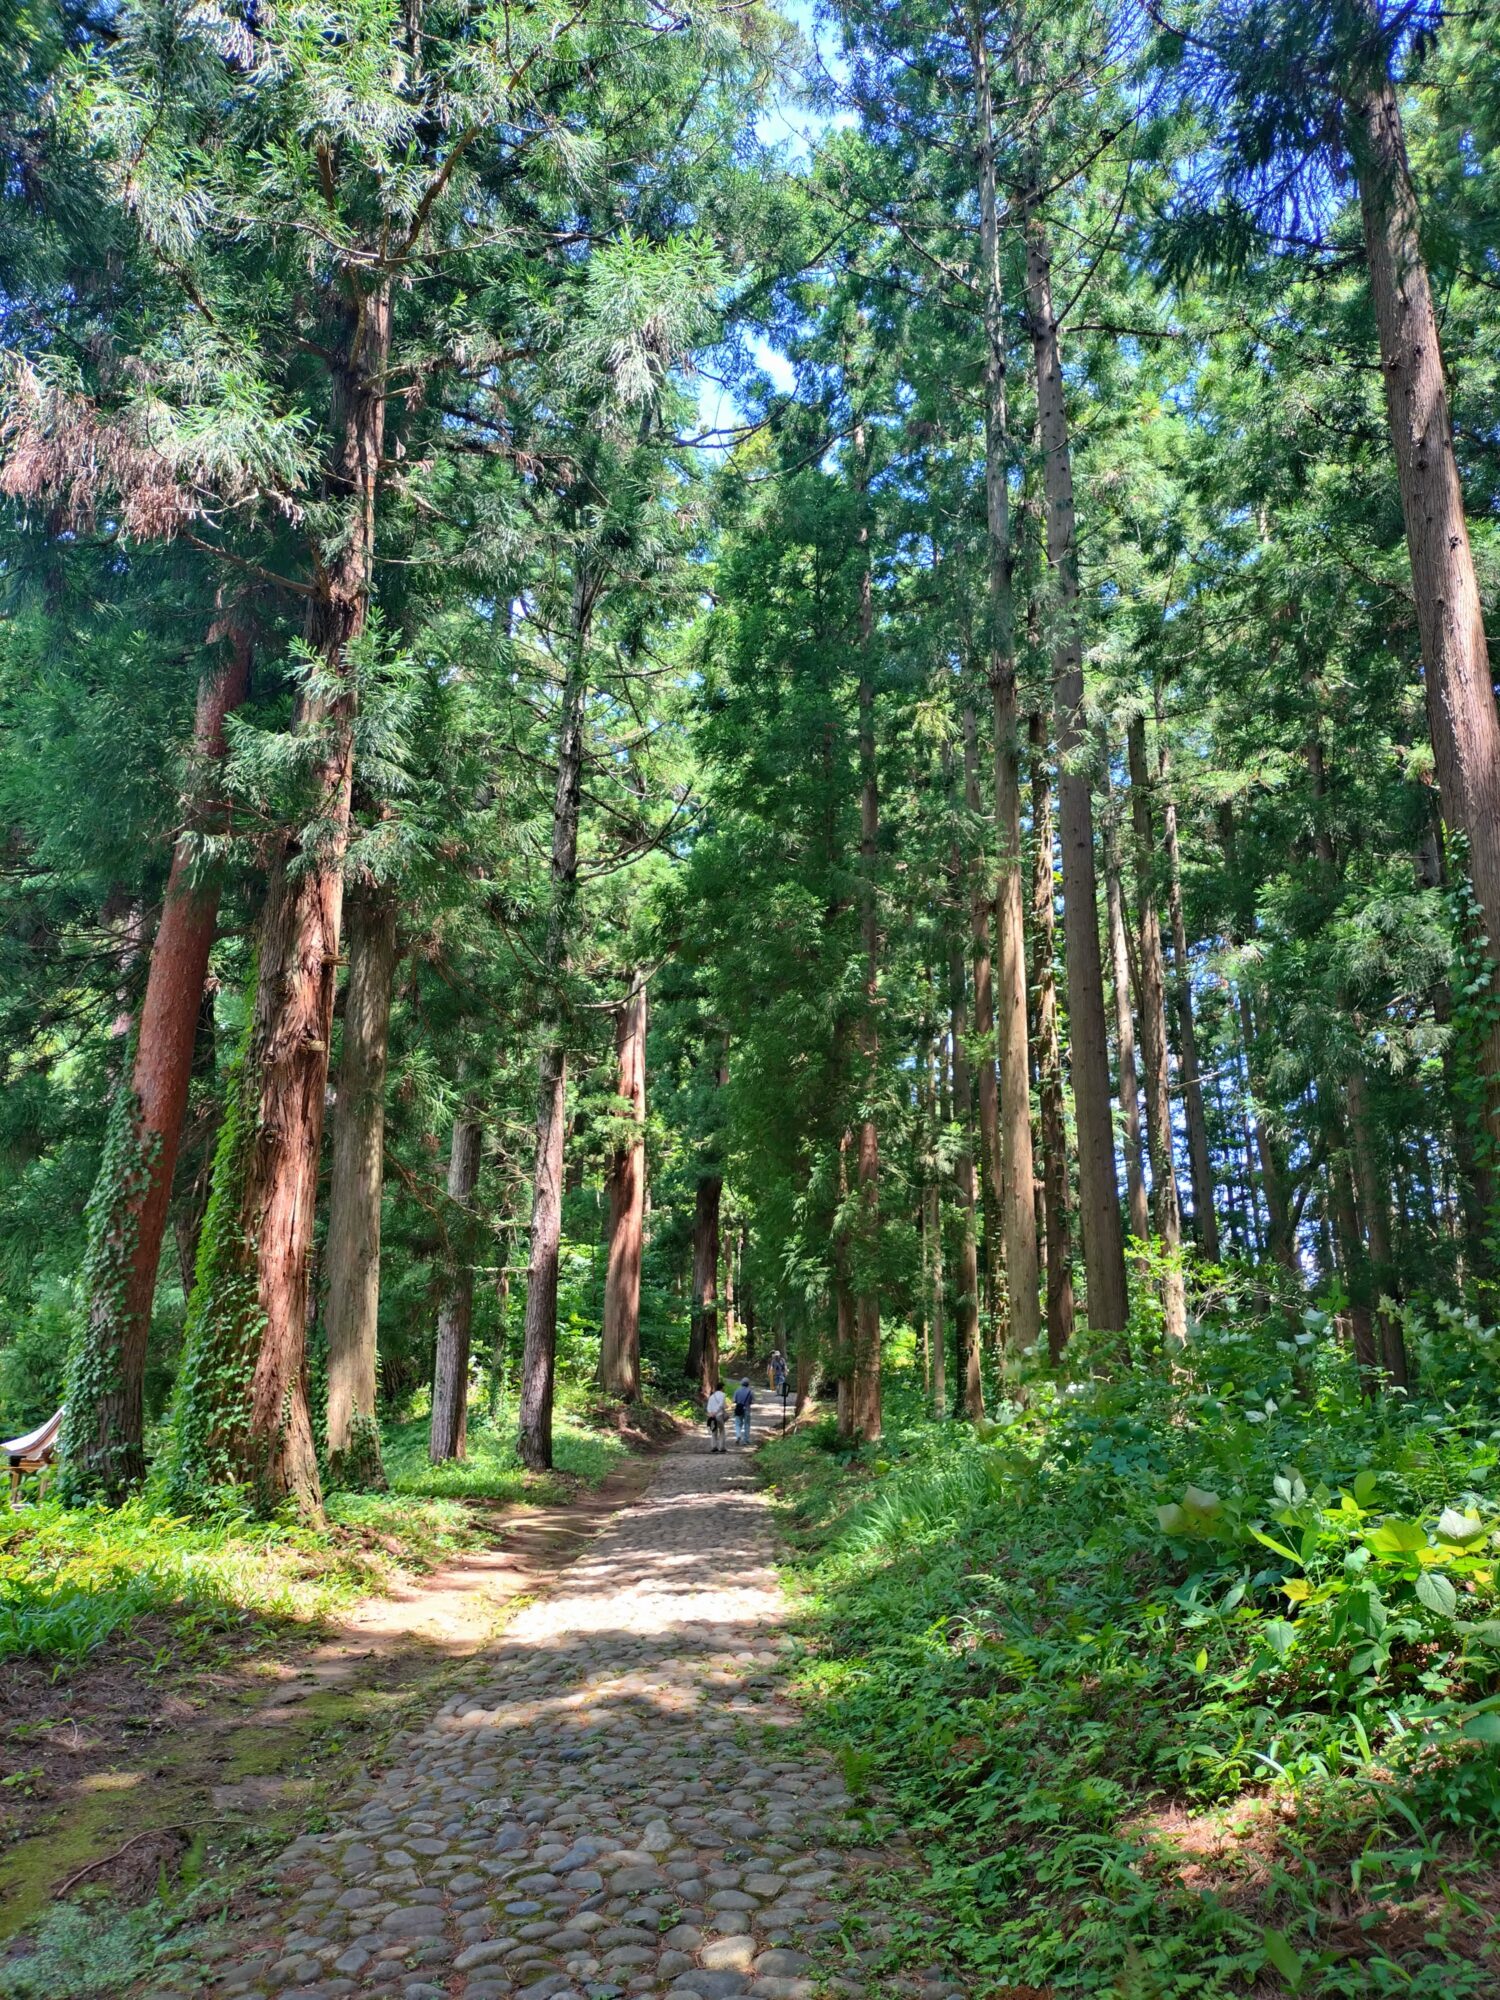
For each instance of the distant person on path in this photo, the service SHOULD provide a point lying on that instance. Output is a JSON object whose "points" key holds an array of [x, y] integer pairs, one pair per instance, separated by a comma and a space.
{"points": [[717, 1409], [778, 1371], [744, 1396]]}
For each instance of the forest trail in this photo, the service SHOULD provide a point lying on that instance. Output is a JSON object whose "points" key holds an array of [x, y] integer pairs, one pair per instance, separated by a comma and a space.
{"points": [[619, 1801]]}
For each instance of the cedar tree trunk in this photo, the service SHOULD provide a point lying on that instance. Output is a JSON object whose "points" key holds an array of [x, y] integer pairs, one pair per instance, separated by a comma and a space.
{"points": [[620, 1348], [102, 1451], [1099, 1200], [352, 1250], [1049, 1055], [449, 1430]]}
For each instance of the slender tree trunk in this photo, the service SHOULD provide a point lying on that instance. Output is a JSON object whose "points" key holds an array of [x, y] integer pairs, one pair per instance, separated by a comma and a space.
{"points": [[1154, 1041], [1016, 1192], [703, 1349], [1205, 1221], [992, 1177], [864, 1372], [352, 1252], [1049, 1055], [1374, 1204], [620, 1348], [1459, 688], [966, 1304], [1272, 1177], [539, 1353], [933, 1198], [1351, 1254], [449, 1430], [102, 1452], [1119, 955], [1099, 1201]]}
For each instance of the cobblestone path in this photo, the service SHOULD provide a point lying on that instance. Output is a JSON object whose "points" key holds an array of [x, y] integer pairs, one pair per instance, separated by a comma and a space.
{"points": [[620, 1802]]}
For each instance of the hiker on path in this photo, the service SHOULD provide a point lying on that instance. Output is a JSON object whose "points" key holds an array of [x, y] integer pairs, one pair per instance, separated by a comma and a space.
{"points": [[716, 1410], [778, 1371], [744, 1396]]}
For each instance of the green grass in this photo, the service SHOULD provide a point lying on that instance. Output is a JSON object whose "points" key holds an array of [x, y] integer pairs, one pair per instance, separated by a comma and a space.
{"points": [[70, 1579], [492, 1470], [1181, 1686]]}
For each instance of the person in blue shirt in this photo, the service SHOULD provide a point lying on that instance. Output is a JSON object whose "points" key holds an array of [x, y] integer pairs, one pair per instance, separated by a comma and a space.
{"points": [[744, 1396]]}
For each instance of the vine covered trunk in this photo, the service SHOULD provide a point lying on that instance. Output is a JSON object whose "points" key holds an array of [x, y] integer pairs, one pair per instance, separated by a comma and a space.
{"points": [[102, 1445]]}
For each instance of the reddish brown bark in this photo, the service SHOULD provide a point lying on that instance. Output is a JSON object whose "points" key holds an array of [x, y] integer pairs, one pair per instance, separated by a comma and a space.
{"points": [[1460, 693], [299, 940], [620, 1346], [104, 1434]]}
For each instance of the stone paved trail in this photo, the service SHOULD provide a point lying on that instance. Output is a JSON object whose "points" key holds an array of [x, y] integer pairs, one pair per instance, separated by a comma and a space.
{"points": [[619, 1803]]}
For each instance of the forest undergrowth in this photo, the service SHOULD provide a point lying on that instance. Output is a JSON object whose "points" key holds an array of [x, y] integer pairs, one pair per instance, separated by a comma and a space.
{"points": [[1186, 1681]]}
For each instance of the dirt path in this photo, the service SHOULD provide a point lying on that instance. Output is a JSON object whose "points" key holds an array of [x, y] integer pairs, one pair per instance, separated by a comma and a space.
{"points": [[619, 1801], [115, 1760]]}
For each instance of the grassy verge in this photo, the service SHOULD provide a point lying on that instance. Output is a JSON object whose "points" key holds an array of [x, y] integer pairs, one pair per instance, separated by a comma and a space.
{"points": [[1182, 1686], [72, 1579]]}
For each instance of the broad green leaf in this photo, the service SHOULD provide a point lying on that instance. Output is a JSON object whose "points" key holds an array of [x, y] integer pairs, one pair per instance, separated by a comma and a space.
{"points": [[1365, 1484], [1397, 1538], [1200, 1664], [1285, 1957], [1279, 1636], [1173, 1520], [1483, 1728], [1298, 1589], [1456, 1527], [1437, 1593], [1198, 1500]]}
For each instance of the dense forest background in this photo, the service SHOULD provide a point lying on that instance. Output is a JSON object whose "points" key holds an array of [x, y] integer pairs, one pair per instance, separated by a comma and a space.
{"points": [[683, 680]]}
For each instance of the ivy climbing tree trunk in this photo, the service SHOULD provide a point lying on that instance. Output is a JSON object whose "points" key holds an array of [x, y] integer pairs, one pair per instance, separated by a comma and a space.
{"points": [[1017, 1166], [1153, 998], [102, 1444], [352, 1247], [265, 1218], [620, 1345], [539, 1353], [1088, 1047], [1049, 1054], [449, 1430]]}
